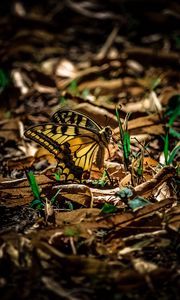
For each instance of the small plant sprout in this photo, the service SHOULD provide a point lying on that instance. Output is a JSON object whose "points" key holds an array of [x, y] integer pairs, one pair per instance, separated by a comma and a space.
{"points": [[137, 168], [170, 156], [39, 202], [73, 87], [124, 138], [108, 208], [57, 175]]}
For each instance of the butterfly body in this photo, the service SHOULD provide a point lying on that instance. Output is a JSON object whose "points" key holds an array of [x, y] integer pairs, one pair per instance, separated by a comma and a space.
{"points": [[75, 140]]}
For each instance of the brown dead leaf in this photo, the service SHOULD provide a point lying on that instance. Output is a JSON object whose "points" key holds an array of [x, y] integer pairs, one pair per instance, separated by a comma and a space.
{"points": [[100, 115], [149, 166], [65, 68], [148, 54], [18, 192], [43, 153], [102, 84], [167, 94], [150, 124], [20, 164], [77, 193], [9, 129], [148, 188], [127, 219], [82, 74], [172, 219], [76, 216], [115, 170], [125, 181]]}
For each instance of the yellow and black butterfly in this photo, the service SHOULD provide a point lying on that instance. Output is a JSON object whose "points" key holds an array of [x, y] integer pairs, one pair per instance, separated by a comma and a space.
{"points": [[75, 140]]}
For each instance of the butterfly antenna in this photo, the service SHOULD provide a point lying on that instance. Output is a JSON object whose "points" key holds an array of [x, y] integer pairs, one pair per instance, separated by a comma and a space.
{"points": [[107, 120]]}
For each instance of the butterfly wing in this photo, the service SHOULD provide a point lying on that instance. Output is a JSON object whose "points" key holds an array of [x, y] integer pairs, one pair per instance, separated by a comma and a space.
{"points": [[74, 147], [68, 116]]}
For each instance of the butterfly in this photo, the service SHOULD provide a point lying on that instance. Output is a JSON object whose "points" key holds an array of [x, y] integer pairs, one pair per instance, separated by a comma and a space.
{"points": [[75, 140]]}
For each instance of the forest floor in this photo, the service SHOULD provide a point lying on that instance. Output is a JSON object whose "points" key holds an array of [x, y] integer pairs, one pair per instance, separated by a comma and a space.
{"points": [[114, 235]]}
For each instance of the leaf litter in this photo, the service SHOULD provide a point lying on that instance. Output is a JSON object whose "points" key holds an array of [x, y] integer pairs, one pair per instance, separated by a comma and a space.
{"points": [[116, 236]]}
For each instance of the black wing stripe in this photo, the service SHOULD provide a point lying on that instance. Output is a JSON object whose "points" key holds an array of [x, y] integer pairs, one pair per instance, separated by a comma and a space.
{"points": [[73, 139], [74, 117]]}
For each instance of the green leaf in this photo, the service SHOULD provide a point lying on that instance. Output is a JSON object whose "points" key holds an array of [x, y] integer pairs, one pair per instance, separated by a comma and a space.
{"points": [[85, 93], [71, 232], [124, 193], [37, 204], [57, 176], [73, 87], [138, 202], [62, 100], [108, 208], [69, 204]]}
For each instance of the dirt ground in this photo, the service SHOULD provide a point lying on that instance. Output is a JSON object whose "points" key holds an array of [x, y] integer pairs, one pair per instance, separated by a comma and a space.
{"points": [[89, 196]]}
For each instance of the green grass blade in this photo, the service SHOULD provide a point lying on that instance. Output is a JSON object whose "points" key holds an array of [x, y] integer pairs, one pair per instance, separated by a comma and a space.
{"points": [[166, 148], [173, 153], [53, 199], [120, 124], [33, 184], [126, 143]]}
